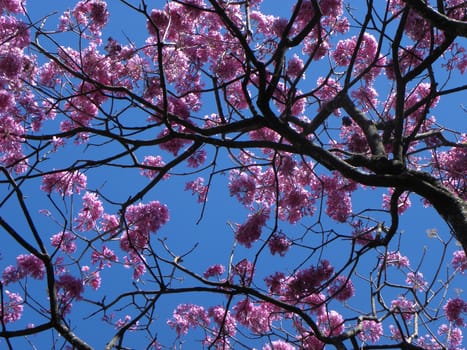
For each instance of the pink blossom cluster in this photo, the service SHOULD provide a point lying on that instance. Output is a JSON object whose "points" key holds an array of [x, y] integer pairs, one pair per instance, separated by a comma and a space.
{"points": [[152, 165], [69, 288], [341, 288], [367, 55], [16, 100], [224, 320], [64, 240], [12, 6], [452, 166], [416, 280], [279, 243], [307, 281], [104, 258], [141, 220], [214, 270], [453, 339], [395, 258], [453, 336], [453, 310], [371, 331], [459, 261], [244, 271], [257, 317], [26, 265], [91, 211], [137, 262], [405, 307], [147, 217], [187, 316], [64, 182], [92, 15], [298, 186], [403, 202], [250, 231], [91, 278], [12, 307], [198, 187]]}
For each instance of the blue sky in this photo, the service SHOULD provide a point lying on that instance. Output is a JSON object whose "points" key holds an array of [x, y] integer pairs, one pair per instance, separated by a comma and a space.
{"points": [[213, 233]]}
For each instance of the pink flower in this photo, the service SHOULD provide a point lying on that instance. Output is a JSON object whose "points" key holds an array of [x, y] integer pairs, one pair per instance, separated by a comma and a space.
{"points": [[403, 202], [453, 168], [396, 259], [405, 307], [14, 32], [30, 265], [147, 217], [172, 145], [13, 6], [275, 282], [10, 135], [197, 159], [11, 63], [10, 275], [331, 323], [341, 288], [223, 319], [214, 270], [92, 279], [362, 234], [316, 302], [71, 287], [92, 13], [454, 336], [244, 270], [258, 318], [250, 231], [197, 187], [110, 224], [295, 67], [64, 182], [187, 316], [339, 201], [453, 310], [327, 89], [366, 96], [416, 281], [134, 240], [11, 310], [65, 240], [242, 186], [136, 261], [306, 282], [153, 162], [122, 323], [90, 213], [395, 333], [105, 257], [459, 261], [371, 331], [366, 55], [99, 14], [7, 100], [279, 243]]}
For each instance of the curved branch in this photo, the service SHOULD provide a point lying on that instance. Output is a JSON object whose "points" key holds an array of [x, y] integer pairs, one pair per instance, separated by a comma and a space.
{"points": [[437, 19]]}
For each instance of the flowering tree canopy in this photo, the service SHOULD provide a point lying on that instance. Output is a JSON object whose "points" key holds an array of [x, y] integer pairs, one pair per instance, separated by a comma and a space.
{"points": [[324, 121]]}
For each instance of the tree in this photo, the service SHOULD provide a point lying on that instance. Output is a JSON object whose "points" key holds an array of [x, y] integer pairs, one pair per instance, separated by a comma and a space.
{"points": [[324, 122]]}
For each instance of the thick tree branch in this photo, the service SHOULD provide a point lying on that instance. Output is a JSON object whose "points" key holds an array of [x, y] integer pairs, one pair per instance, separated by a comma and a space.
{"points": [[449, 25]]}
